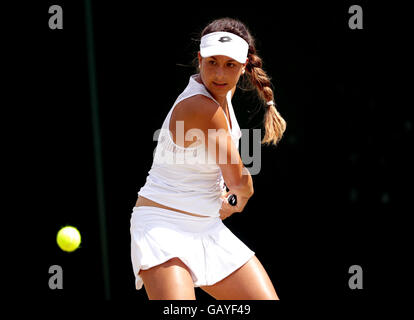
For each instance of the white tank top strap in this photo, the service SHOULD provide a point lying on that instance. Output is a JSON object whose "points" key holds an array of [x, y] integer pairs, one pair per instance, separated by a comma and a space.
{"points": [[235, 128]]}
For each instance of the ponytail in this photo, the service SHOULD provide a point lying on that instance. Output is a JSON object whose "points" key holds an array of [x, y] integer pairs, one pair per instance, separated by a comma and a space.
{"points": [[273, 122]]}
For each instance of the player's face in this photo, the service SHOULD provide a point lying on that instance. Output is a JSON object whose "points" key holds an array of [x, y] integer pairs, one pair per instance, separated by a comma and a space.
{"points": [[220, 74]]}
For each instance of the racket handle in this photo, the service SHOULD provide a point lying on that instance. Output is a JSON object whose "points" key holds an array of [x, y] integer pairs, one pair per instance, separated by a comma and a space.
{"points": [[232, 199]]}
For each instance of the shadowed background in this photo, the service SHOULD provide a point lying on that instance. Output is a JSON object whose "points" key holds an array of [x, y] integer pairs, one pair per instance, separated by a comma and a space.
{"points": [[323, 196]]}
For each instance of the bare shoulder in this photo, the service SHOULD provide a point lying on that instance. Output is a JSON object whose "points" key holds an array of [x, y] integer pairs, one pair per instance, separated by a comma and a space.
{"points": [[195, 106], [201, 112]]}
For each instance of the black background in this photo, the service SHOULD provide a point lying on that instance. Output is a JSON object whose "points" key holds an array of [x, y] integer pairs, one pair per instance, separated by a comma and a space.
{"points": [[329, 196]]}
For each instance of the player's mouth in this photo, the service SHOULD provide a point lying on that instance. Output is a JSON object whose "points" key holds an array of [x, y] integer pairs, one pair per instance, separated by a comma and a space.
{"points": [[220, 84]]}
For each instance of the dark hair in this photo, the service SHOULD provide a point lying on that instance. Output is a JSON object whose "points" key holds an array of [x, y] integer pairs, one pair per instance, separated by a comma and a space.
{"points": [[274, 124]]}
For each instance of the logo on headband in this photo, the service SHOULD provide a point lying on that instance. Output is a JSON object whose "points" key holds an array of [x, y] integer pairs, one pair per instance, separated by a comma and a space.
{"points": [[225, 39]]}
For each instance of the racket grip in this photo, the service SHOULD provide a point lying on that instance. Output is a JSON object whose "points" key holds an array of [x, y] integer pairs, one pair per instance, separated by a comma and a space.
{"points": [[232, 199]]}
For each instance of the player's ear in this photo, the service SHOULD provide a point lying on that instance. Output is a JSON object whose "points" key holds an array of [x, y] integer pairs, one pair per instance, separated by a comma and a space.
{"points": [[244, 66], [199, 59]]}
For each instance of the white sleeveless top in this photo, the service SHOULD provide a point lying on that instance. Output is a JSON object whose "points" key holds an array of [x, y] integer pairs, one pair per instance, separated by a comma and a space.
{"points": [[183, 178]]}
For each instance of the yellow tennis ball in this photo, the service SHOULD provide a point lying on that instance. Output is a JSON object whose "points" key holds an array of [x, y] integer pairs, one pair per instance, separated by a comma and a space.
{"points": [[68, 238]]}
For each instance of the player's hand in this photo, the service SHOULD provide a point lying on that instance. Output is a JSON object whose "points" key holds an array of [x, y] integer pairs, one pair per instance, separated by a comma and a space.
{"points": [[227, 209]]}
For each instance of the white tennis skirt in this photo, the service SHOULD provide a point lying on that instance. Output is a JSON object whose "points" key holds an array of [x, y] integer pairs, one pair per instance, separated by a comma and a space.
{"points": [[205, 245]]}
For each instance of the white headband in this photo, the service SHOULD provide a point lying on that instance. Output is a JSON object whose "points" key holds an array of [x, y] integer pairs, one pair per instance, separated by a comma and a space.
{"points": [[224, 44]]}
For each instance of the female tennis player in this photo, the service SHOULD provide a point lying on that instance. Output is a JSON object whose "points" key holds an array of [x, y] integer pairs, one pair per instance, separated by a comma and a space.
{"points": [[178, 239]]}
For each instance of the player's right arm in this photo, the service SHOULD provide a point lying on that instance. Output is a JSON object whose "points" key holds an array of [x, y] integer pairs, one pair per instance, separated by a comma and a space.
{"points": [[210, 119]]}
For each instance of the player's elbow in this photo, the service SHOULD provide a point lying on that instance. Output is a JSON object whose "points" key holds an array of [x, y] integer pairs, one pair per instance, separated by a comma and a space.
{"points": [[243, 187]]}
